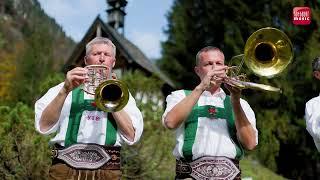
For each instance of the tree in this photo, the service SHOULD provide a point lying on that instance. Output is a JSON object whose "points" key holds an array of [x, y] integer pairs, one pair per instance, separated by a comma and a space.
{"points": [[151, 157], [33, 47], [8, 73], [227, 25], [23, 153]]}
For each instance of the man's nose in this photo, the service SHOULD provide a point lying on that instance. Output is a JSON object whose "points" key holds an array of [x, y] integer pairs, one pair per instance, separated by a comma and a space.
{"points": [[101, 59]]}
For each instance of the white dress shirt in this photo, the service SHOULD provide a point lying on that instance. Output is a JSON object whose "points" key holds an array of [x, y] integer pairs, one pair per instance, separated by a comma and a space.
{"points": [[93, 124], [312, 116], [212, 136]]}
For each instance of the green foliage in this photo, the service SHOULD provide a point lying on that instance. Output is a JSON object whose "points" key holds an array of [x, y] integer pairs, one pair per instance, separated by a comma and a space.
{"points": [[151, 158], [8, 6], [227, 25], [274, 129], [42, 47], [33, 65], [26, 59], [23, 152], [2, 40], [8, 73], [192, 25], [51, 80], [251, 168]]}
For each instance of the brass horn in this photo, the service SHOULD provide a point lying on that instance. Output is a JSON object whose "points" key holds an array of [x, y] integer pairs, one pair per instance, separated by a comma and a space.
{"points": [[109, 94], [267, 52]]}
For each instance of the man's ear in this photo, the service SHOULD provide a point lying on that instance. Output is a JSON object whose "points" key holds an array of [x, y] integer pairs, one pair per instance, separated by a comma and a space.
{"points": [[316, 74], [196, 70], [85, 60], [114, 62]]}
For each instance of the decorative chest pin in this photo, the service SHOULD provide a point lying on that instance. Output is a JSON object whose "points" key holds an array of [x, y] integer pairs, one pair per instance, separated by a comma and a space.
{"points": [[94, 104], [212, 111]]}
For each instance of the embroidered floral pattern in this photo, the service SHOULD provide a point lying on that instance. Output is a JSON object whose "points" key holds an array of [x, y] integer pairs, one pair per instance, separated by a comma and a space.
{"points": [[87, 156], [213, 168], [84, 156], [212, 111], [94, 104]]}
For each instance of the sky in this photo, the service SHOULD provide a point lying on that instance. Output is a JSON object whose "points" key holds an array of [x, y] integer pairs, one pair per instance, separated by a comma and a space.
{"points": [[144, 25]]}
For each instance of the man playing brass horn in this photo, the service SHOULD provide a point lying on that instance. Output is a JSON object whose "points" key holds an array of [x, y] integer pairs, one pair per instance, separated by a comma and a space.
{"points": [[87, 141], [211, 127], [312, 109]]}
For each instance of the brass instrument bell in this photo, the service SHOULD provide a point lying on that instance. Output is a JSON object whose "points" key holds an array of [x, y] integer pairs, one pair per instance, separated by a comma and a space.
{"points": [[109, 94], [267, 52]]}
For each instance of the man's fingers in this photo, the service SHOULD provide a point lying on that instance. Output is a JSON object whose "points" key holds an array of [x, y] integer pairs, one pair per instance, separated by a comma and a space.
{"points": [[213, 83], [114, 76], [77, 77], [78, 72]]}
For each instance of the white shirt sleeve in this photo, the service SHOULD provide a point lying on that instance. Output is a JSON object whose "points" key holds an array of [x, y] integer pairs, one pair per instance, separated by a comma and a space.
{"points": [[250, 116], [42, 103], [312, 117], [137, 121], [173, 99]]}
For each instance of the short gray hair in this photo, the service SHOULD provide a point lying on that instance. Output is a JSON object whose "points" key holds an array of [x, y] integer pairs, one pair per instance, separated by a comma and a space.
{"points": [[100, 40], [206, 49], [316, 64]]}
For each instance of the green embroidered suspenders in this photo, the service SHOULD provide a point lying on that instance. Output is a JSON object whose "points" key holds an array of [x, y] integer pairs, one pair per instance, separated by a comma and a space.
{"points": [[209, 111], [78, 106]]}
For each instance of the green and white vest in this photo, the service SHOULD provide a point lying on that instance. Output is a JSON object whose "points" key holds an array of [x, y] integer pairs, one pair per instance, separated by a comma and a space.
{"points": [[191, 125], [78, 106]]}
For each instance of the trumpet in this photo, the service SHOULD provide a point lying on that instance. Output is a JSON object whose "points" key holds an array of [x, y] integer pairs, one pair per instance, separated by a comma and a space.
{"points": [[268, 51], [109, 94]]}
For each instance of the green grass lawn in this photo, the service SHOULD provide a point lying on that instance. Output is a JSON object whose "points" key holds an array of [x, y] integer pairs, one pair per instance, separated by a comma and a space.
{"points": [[252, 170]]}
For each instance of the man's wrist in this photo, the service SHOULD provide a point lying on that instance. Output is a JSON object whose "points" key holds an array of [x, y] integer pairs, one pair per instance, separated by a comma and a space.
{"points": [[200, 88], [64, 91], [235, 98], [117, 112]]}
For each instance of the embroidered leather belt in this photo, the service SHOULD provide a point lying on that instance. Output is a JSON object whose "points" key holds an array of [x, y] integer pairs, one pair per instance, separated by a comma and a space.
{"points": [[208, 167], [88, 156]]}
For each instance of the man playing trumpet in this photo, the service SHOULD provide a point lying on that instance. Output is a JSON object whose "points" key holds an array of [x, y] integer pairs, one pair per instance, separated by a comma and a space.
{"points": [[88, 140], [211, 127]]}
